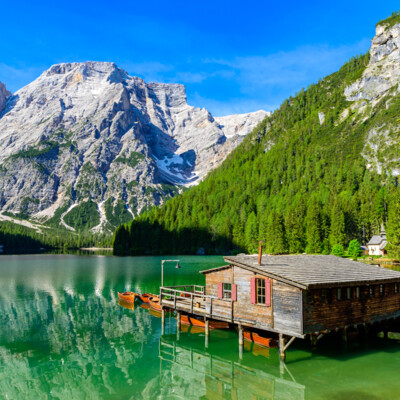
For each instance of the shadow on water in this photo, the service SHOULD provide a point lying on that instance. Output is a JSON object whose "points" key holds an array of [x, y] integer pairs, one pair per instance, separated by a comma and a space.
{"points": [[143, 237]]}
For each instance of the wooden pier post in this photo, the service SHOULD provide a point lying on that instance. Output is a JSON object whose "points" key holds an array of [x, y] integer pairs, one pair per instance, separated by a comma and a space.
{"points": [[207, 331], [240, 341], [162, 321], [207, 327], [178, 320], [282, 350]]}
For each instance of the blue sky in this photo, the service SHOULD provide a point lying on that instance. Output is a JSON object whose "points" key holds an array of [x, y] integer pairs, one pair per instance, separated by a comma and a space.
{"points": [[232, 56]]}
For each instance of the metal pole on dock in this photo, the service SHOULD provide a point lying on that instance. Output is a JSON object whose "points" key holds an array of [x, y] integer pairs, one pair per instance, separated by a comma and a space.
{"points": [[240, 341]]}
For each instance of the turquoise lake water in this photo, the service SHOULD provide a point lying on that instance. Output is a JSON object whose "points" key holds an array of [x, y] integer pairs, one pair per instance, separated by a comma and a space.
{"points": [[63, 335]]}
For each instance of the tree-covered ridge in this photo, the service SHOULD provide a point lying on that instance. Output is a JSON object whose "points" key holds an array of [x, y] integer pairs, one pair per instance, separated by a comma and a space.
{"points": [[390, 21], [19, 238], [299, 182]]}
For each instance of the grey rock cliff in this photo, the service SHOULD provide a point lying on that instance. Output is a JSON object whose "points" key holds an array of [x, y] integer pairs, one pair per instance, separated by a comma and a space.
{"points": [[4, 95], [89, 131], [379, 84]]}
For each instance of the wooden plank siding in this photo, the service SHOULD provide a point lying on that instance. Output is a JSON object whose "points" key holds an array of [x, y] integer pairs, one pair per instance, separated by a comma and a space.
{"points": [[288, 308], [333, 313], [258, 314]]}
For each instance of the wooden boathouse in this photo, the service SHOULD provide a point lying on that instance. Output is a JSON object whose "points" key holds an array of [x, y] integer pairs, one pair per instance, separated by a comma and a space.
{"points": [[290, 295]]}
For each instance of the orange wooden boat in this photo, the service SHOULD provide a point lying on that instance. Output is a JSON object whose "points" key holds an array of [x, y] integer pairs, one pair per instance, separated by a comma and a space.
{"points": [[145, 297], [155, 303], [187, 320], [260, 340], [128, 297], [145, 306]]}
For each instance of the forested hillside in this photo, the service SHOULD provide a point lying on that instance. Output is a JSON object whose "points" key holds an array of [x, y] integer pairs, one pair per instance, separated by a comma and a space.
{"points": [[300, 182], [18, 238]]}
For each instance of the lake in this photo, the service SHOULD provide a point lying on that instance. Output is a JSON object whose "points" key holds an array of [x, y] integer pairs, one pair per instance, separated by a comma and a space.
{"points": [[63, 335]]}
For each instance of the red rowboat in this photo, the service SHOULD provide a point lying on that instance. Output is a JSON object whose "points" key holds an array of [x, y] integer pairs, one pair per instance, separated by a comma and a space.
{"points": [[260, 340], [186, 320], [128, 297]]}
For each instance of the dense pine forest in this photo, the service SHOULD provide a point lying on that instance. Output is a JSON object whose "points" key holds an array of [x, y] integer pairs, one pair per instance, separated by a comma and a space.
{"points": [[18, 238], [299, 183]]}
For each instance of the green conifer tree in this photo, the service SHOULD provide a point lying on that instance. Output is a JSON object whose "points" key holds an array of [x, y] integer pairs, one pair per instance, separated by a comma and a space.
{"points": [[393, 224]]}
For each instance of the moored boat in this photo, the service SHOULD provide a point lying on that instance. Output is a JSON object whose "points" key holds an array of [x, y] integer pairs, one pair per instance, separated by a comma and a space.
{"points": [[260, 340], [187, 320], [155, 303], [128, 297], [145, 297]]}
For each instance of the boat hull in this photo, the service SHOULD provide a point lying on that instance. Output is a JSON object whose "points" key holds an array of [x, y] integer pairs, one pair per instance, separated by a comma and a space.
{"points": [[260, 340], [127, 297], [187, 320], [145, 297]]}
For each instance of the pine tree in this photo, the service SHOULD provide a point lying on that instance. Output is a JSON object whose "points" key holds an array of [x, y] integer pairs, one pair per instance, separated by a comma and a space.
{"points": [[313, 228], [393, 224], [275, 234], [251, 233], [354, 249], [338, 226]]}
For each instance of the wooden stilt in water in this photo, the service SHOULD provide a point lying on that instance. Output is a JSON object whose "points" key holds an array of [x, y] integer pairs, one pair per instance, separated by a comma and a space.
{"points": [[162, 321], [282, 349], [241, 341], [207, 331], [344, 336], [178, 320]]}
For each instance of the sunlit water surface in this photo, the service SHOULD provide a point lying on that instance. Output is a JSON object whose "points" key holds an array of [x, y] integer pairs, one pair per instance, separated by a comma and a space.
{"points": [[63, 335]]}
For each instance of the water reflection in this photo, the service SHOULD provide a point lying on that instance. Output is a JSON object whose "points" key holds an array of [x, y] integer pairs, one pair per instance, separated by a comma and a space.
{"points": [[64, 335], [196, 373]]}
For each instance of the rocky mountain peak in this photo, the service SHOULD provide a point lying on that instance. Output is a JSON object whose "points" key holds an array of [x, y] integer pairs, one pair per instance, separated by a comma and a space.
{"points": [[89, 135], [383, 71], [4, 95]]}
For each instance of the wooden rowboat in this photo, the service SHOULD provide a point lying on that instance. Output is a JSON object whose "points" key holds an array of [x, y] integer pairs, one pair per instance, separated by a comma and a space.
{"points": [[187, 320], [145, 297], [260, 340], [128, 297], [155, 303]]}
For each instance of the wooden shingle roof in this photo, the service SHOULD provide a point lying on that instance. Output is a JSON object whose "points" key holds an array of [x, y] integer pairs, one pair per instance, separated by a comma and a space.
{"points": [[312, 271]]}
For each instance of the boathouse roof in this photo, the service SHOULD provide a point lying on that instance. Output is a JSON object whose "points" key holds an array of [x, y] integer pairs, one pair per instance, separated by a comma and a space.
{"points": [[313, 271]]}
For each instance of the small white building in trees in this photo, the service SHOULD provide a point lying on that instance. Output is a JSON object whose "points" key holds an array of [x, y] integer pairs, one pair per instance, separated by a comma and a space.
{"points": [[377, 244]]}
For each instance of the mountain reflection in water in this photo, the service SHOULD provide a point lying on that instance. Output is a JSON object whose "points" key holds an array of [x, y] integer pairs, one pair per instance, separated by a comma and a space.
{"points": [[64, 335]]}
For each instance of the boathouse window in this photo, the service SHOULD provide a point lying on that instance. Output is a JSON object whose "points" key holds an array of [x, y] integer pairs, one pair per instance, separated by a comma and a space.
{"points": [[339, 294], [396, 288], [357, 292], [348, 293], [381, 290], [323, 295], [371, 291], [260, 287], [227, 291]]}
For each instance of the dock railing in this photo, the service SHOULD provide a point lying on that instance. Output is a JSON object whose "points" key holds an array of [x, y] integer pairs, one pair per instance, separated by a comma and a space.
{"points": [[192, 299]]}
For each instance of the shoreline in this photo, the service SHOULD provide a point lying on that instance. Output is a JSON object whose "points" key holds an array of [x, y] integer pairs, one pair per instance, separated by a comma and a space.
{"points": [[95, 248]]}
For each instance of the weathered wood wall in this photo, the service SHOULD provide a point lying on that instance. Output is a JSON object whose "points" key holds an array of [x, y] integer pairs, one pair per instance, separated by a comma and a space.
{"points": [[259, 314], [333, 313], [213, 278], [288, 303]]}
